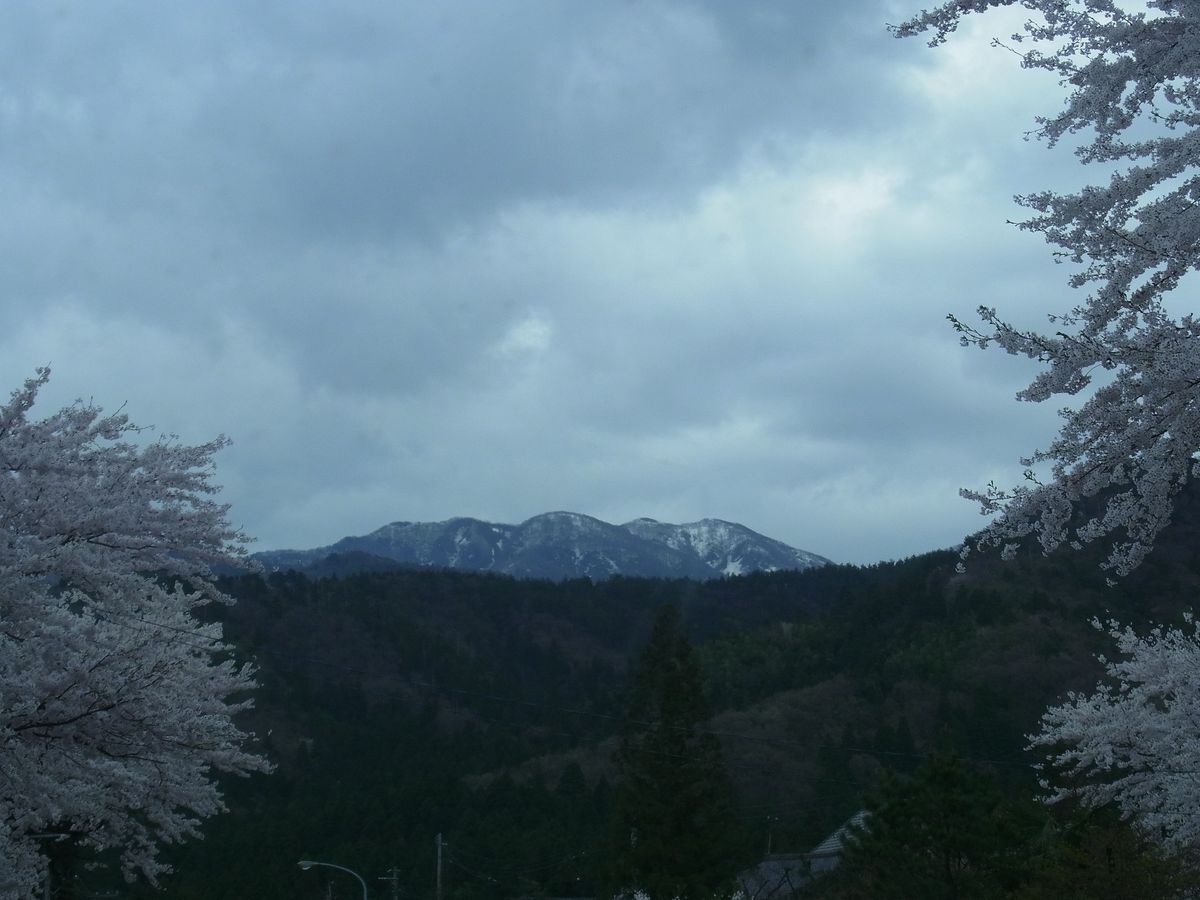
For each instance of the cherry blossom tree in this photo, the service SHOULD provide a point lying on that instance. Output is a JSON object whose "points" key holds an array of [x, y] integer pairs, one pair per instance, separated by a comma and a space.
{"points": [[1132, 77], [1133, 108], [116, 703], [1135, 741]]}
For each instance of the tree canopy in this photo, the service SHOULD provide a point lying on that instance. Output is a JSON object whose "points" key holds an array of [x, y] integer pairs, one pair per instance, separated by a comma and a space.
{"points": [[946, 832], [673, 832], [1133, 742], [1133, 108], [115, 702], [1124, 454]]}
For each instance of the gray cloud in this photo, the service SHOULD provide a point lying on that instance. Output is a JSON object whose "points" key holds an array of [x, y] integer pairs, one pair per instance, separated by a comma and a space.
{"points": [[636, 258]]}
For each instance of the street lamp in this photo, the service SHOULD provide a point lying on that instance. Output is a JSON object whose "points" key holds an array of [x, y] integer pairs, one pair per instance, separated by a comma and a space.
{"points": [[307, 864]]}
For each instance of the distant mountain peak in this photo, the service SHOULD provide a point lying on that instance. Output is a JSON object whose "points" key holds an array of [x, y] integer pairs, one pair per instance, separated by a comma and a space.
{"points": [[560, 544]]}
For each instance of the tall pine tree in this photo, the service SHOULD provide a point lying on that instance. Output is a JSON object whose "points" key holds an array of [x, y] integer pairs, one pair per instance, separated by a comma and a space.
{"points": [[675, 831]]}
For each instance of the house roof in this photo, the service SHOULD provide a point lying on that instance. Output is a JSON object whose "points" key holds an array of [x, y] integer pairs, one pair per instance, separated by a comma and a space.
{"points": [[835, 844], [779, 875], [782, 874]]}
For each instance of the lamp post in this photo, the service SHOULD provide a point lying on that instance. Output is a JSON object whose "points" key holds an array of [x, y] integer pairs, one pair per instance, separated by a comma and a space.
{"points": [[307, 864]]}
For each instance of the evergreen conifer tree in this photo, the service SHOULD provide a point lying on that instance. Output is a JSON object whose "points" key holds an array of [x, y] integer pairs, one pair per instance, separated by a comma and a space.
{"points": [[675, 833], [948, 832]]}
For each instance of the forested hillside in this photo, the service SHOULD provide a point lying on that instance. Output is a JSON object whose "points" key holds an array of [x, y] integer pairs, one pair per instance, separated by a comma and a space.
{"points": [[401, 705]]}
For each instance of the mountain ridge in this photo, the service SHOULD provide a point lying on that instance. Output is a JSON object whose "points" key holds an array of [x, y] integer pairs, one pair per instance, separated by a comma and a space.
{"points": [[558, 545]]}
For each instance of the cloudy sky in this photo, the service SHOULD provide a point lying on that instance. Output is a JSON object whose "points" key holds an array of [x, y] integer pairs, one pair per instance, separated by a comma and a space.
{"points": [[623, 257]]}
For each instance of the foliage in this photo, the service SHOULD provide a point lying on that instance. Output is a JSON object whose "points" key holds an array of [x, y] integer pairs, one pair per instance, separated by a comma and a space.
{"points": [[1093, 855], [399, 705], [672, 834], [1131, 445], [404, 704], [114, 700], [1123, 456], [1133, 741], [946, 832]]}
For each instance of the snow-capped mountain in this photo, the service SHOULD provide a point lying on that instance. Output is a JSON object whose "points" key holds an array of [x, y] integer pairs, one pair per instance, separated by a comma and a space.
{"points": [[726, 547], [558, 545]]}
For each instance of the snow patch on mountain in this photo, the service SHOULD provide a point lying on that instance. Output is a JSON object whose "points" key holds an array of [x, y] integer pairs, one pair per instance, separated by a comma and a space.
{"points": [[566, 545]]}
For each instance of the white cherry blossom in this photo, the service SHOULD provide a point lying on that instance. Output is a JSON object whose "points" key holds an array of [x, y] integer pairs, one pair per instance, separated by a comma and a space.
{"points": [[1133, 742], [1133, 105], [115, 701]]}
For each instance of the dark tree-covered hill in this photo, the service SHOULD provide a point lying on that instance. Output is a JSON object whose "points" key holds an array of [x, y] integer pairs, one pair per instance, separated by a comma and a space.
{"points": [[400, 705]]}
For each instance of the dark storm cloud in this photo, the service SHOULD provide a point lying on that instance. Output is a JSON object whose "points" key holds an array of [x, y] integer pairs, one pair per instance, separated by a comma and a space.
{"points": [[458, 116], [372, 120], [429, 259]]}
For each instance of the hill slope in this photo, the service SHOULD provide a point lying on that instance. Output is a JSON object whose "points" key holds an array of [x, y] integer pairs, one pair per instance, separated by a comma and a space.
{"points": [[406, 703]]}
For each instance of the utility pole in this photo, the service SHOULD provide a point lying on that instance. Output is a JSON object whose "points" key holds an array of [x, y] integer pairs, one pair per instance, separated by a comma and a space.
{"points": [[439, 866], [394, 878]]}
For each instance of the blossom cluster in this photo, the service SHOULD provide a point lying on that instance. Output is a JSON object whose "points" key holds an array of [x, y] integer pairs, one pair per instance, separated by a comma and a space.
{"points": [[1133, 108], [115, 701]]}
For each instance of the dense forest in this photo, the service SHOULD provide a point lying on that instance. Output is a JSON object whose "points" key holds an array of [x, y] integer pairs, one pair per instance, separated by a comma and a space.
{"points": [[402, 706]]}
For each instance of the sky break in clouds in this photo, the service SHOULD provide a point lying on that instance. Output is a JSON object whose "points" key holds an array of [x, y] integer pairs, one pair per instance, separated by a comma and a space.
{"points": [[419, 260]]}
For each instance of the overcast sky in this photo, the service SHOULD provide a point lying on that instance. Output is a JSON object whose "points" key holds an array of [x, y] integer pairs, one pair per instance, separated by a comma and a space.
{"points": [[620, 257]]}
